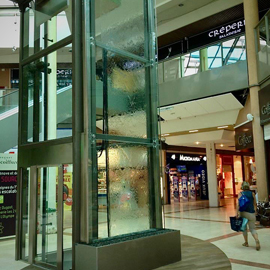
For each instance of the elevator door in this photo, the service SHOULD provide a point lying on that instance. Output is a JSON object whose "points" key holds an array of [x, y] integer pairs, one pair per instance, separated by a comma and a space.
{"points": [[50, 194]]}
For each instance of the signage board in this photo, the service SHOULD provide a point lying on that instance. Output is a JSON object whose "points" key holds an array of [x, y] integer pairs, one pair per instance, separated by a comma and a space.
{"points": [[244, 137], [264, 100], [8, 191]]}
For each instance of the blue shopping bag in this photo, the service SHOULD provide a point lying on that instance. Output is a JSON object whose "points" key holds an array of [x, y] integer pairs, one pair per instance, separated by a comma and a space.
{"points": [[236, 223]]}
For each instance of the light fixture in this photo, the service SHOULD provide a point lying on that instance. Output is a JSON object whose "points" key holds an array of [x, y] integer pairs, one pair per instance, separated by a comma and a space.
{"points": [[181, 5], [221, 145], [166, 134], [250, 117], [246, 129], [197, 142], [250, 161], [195, 130], [222, 127]]}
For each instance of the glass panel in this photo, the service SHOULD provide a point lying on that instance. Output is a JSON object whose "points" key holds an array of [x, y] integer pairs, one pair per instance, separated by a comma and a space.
{"points": [[46, 251], [122, 80], [8, 101], [172, 69], [191, 63], [67, 217], [160, 72], [214, 56], [102, 193], [45, 24], [234, 50], [25, 212], [120, 24], [48, 83], [128, 169]]}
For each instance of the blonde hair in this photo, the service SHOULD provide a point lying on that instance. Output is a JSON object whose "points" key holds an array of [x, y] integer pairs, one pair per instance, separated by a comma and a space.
{"points": [[245, 186]]}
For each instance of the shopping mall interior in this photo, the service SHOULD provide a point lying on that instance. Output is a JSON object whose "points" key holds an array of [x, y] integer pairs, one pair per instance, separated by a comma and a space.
{"points": [[143, 118]]}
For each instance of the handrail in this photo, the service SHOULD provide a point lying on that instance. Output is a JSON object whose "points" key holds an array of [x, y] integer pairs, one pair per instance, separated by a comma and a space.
{"points": [[17, 90]]}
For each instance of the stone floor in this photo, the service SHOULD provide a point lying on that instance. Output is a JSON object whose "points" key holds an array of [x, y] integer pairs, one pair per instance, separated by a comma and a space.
{"points": [[207, 240]]}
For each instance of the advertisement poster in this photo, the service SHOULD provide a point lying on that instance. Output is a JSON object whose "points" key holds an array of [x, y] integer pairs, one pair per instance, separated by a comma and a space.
{"points": [[176, 189], [192, 188], [184, 188], [204, 183], [8, 190]]}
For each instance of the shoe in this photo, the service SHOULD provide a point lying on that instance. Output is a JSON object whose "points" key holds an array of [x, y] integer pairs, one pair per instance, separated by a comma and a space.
{"points": [[245, 244], [258, 247]]}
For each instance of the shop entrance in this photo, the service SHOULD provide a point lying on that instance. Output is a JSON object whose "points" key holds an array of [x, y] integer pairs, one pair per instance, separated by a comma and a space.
{"points": [[229, 175], [51, 217]]}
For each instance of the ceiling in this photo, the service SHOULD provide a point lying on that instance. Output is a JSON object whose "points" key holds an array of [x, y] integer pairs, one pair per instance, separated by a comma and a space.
{"points": [[196, 17], [211, 119]]}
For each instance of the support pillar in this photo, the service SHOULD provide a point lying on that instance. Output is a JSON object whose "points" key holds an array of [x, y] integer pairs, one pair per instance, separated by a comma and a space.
{"points": [[204, 59], [212, 174], [251, 20]]}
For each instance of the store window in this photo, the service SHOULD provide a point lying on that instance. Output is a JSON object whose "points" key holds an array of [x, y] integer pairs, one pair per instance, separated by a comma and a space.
{"points": [[250, 170], [238, 175]]}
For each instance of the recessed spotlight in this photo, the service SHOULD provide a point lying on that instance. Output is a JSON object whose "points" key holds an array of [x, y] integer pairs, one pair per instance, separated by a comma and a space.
{"points": [[221, 145], [197, 142], [195, 130], [222, 127]]}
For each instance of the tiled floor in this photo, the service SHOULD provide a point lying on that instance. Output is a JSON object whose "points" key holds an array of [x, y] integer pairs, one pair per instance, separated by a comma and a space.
{"points": [[197, 220], [212, 225]]}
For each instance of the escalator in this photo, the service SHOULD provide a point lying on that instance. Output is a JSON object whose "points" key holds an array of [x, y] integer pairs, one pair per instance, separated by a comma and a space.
{"points": [[9, 113]]}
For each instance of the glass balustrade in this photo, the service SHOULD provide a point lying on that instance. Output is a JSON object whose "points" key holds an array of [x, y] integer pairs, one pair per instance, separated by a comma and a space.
{"points": [[9, 100], [214, 56], [262, 31]]}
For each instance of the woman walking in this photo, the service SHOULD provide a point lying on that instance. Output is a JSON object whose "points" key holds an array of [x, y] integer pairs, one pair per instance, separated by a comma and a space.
{"points": [[249, 214]]}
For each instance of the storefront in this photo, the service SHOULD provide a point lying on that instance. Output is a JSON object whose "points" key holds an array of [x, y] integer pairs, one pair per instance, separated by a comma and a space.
{"points": [[264, 98], [187, 177], [187, 174]]}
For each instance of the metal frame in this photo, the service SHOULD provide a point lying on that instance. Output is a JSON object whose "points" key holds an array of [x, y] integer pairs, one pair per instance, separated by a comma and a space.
{"points": [[82, 146]]}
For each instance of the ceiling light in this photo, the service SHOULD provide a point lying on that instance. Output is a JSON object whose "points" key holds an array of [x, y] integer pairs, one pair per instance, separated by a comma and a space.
{"points": [[166, 134], [222, 127], [221, 145], [181, 5], [195, 130], [197, 142], [246, 129]]}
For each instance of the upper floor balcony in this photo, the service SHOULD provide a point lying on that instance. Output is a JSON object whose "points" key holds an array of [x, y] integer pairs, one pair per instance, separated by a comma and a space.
{"points": [[218, 69]]}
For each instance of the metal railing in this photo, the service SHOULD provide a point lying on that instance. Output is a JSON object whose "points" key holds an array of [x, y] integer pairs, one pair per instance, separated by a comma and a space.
{"points": [[214, 56]]}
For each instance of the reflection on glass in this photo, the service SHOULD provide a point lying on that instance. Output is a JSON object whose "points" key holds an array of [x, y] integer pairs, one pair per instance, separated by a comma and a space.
{"points": [[25, 212], [49, 107], [46, 237], [120, 24], [191, 63], [46, 22], [172, 69], [121, 95], [67, 216]]}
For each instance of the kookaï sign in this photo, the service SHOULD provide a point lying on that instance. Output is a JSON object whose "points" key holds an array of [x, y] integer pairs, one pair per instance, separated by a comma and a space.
{"points": [[244, 137]]}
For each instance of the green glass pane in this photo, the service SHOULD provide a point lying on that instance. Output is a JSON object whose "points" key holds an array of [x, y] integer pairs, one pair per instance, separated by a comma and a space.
{"points": [[45, 23], [128, 188], [48, 84], [120, 24], [120, 81]]}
